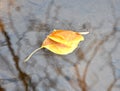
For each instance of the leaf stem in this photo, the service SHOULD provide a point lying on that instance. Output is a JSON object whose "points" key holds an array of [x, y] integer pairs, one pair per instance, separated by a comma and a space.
{"points": [[32, 54]]}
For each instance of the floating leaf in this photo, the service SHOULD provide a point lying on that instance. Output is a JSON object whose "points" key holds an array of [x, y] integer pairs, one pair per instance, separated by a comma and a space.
{"points": [[61, 42]]}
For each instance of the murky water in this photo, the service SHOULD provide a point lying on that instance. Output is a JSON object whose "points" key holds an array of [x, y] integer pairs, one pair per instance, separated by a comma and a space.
{"points": [[93, 66]]}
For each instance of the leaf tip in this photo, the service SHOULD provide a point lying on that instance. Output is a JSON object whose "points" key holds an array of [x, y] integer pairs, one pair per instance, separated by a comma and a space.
{"points": [[84, 33]]}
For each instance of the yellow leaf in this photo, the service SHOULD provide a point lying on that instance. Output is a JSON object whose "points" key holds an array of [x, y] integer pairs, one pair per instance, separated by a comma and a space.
{"points": [[61, 42]]}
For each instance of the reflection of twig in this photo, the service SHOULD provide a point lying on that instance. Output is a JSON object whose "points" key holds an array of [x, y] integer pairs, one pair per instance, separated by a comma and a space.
{"points": [[111, 85], [10, 67], [99, 44], [8, 80], [117, 19], [11, 2], [48, 10], [23, 76], [1, 89], [55, 18], [113, 9], [81, 81]]}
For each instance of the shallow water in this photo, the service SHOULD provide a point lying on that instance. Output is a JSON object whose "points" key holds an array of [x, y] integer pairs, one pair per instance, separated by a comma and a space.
{"points": [[93, 66]]}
